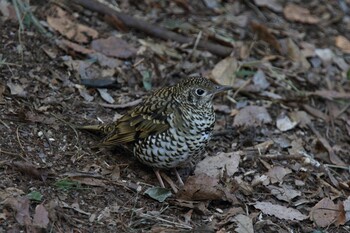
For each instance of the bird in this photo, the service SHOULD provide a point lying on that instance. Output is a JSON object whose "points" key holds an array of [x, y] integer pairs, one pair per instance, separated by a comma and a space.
{"points": [[169, 127]]}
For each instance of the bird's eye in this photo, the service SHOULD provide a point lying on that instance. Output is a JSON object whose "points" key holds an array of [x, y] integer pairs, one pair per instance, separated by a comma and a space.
{"points": [[200, 92]]}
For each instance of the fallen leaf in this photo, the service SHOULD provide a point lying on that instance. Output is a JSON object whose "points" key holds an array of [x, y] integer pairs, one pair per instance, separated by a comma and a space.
{"points": [[223, 72], [284, 123], [346, 205], [35, 196], [214, 166], [16, 89], [302, 117], [7, 10], [326, 55], [105, 95], [21, 206], [264, 34], [293, 52], [277, 173], [157, 193], [330, 95], [343, 43], [114, 47], [280, 212], [203, 187], [284, 193], [66, 45], [324, 213], [271, 4], [297, 13], [244, 224], [64, 24], [88, 181], [41, 217], [260, 81], [158, 48], [30, 170], [84, 93], [252, 116]]}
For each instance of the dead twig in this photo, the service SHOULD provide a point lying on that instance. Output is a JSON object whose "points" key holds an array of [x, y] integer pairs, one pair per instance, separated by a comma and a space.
{"points": [[151, 29]]}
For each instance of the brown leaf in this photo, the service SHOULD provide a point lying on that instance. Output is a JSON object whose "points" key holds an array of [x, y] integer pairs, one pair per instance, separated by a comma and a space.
{"points": [[31, 170], [41, 217], [89, 181], [114, 47], [330, 94], [296, 13], [64, 24], [277, 173], [324, 213], [223, 72], [21, 206], [204, 187], [214, 166], [66, 45], [244, 224], [17, 89], [252, 116], [343, 43], [271, 4], [265, 35], [279, 211]]}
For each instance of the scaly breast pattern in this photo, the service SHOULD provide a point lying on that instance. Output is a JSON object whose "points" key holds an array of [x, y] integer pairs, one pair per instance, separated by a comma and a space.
{"points": [[179, 142]]}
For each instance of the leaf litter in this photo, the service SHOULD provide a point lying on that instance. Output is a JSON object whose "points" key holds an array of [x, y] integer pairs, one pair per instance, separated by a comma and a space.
{"points": [[281, 135]]}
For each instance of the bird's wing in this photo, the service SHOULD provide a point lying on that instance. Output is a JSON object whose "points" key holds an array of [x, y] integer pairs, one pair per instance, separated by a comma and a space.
{"points": [[150, 117]]}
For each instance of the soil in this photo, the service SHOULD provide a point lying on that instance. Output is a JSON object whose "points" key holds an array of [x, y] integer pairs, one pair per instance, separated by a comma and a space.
{"points": [[83, 189]]}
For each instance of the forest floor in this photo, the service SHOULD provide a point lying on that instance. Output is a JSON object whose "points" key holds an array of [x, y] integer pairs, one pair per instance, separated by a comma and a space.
{"points": [[279, 158]]}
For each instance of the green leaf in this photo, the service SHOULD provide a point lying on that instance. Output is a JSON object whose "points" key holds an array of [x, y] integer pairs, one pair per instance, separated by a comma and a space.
{"points": [[66, 184], [146, 79], [35, 196], [157, 193]]}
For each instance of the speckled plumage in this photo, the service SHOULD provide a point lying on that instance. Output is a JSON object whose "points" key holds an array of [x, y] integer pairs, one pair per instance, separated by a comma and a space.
{"points": [[170, 126]]}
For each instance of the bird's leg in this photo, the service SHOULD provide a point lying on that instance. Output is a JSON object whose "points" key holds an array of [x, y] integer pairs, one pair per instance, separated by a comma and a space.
{"points": [[156, 171], [179, 177]]}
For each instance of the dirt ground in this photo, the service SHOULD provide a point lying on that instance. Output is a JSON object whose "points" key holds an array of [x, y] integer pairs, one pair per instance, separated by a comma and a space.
{"points": [[278, 160]]}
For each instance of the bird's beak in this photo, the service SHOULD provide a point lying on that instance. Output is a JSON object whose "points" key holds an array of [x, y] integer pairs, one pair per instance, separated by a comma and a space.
{"points": [[221, 88]]}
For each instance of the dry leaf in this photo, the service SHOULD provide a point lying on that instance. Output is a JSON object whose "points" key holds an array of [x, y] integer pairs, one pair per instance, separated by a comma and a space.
{"points": [[271, 4], [62, 23], [105, 95], [277, 173], [30, 170], [343, 43], [204, 187], [114, 47], [223, 72], [244, 224], [324, 213], [326, 55], [41, 217], [252, 116], [293, 52], [284, 193], [16, 89], [260, 81], [214, 166], [66, 45], [296, 13], [279, 211], [284, 123], [21, 206], [265, 35]]}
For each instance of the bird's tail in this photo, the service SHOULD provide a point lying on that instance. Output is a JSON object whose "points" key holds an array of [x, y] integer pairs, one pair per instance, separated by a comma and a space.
{"points": [[97, 129]]}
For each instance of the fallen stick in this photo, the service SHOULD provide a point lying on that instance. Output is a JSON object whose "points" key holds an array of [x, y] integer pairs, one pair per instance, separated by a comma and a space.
{"points": [[151, 29]]}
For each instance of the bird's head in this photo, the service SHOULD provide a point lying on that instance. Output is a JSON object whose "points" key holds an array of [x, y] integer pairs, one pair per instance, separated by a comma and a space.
{"points": [[198, 91]]}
